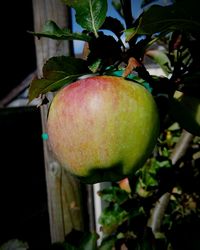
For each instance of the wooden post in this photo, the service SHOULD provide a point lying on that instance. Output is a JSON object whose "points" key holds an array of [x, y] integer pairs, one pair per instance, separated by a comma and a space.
{"points": [[63, 191]]}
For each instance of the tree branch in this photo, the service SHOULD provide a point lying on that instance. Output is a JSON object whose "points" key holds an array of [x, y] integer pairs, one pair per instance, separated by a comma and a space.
{"points": [[17, 90], [155, 221]]}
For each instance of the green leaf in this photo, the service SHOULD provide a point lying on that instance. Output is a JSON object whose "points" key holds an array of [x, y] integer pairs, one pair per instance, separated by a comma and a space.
{"points": [[112, 217], [90, 14], [160, 58], [51, 30], [185, 110], [130, 33], [165, 19], [78, 240], [89, 241], [113, 25], [113, 194], [43, 86], [58, 67], [57, 72], [107, 243], [96, 65]]}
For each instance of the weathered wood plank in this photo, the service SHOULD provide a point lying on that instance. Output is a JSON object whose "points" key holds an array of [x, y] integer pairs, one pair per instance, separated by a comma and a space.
{"points": [[63, 191]]}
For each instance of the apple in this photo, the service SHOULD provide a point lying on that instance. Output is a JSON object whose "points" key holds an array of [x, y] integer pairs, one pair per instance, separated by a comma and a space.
{"points": [[102, 128]]}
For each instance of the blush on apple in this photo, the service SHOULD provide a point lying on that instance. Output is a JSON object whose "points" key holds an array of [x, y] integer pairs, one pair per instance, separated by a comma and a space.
{"points": [[102, 128]]}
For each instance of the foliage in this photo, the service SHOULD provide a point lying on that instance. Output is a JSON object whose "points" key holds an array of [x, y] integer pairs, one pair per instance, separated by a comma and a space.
{"points": [[167, 36], [14, 244]]}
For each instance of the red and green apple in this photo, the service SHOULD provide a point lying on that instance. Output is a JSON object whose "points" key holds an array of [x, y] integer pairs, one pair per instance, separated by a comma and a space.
{"points": [[102, 128]]}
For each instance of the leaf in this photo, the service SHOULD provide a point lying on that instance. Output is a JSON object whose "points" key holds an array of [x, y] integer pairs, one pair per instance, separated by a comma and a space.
{"points": [[43, 86], [96, 65], [185, 110], [117, 5], [89, 241], [148, 240], [57, 67], [112, 217], [62, 246], [104, 48], [113, 25], [14, 244], [79, 240], [113, 194], [107, 243], [160, 18], [131, 32], [161, 59], [51, 30], [90, 14], [57, 72], [146, 2], [190, 84], [165, 19]]}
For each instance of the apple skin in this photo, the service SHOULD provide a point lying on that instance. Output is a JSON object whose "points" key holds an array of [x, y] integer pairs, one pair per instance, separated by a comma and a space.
{"points": [[102, 128]]}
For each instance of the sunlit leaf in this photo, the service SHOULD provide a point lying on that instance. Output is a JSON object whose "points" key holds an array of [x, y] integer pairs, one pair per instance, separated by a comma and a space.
{"points": [[51, 30], [110, 219], [94, 67], [129, 33], [160, 58], [113, 194], [90, 14]]}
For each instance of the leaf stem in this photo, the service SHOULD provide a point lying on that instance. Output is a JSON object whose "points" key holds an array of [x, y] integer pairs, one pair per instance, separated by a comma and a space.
{"points": [[92, 16]]}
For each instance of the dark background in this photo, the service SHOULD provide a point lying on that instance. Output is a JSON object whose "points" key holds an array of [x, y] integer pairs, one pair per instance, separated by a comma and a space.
{"points": [[23, 199], [18, 51], [23, 209]]}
